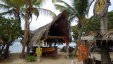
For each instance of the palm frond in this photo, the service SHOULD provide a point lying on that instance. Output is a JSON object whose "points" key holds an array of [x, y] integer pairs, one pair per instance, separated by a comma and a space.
{"points": [[23, 9], [81, 6], [67, 5], [7, 12], [35, 12], [90, 2], [54, 1], [38, 3], [46, 12], [71, 18], [4, 6], [22, 16], [89, 5], [60, 7], [17, 3]]}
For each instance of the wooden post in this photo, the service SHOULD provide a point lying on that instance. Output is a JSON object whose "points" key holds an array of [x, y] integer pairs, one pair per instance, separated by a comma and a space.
{"points": [[67, 50], [101, 9], [105, 56], [67, 46]]}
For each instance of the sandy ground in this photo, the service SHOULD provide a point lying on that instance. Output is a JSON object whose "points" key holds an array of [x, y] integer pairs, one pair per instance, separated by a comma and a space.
{"points": [[60, 59]]}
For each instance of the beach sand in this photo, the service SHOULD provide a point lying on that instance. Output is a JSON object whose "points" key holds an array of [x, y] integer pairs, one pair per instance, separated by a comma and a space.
{"points": [[60, 59]]}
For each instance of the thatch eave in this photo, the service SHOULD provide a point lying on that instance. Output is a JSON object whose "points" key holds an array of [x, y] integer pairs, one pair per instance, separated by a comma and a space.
{"points": [[47, 33]]}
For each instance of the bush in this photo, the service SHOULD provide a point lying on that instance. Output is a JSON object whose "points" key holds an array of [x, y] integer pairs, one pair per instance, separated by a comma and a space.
{"points": [[71, 55], [30, 58]]}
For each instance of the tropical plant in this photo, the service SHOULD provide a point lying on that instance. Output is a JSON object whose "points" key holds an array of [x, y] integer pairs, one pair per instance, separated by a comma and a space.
{"points": [[10, 32], [31, 7], [93, 24], [12, 8], [30, 58], [27, 8], [78, 9]]}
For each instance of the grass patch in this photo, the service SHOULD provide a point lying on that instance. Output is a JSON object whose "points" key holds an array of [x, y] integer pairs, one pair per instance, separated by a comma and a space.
{"points": [[30, 58]]}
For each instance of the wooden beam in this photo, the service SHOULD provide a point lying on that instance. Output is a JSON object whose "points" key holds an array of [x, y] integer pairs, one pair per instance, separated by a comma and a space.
{"points": [[56, 37]]}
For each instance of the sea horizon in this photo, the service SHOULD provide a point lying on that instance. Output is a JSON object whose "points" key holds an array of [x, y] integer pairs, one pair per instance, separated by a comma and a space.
{"points": [[16, 47]]}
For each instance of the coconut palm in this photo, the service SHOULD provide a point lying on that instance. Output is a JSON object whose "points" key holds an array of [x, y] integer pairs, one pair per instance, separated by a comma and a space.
{"points": [[27, 7], [78, 9], [32, 7], [12, 8]]}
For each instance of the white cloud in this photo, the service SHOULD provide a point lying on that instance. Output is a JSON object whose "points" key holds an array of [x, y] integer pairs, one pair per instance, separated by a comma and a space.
{"points": [[43, 20]]}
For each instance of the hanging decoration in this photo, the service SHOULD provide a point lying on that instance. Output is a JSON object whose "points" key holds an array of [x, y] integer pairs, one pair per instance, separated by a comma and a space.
{"points": [[100, 7]]}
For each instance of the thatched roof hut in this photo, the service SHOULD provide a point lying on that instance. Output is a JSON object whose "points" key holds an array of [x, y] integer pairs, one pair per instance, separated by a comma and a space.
{"points": [[58, 31], [97, 38]]}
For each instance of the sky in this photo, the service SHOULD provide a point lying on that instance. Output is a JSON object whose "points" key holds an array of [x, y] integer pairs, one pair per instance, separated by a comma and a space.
{"points": [[45, 19]]}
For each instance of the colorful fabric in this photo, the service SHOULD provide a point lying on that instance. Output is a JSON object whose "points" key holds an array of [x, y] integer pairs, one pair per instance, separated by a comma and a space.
{"points": [[82, 52]]}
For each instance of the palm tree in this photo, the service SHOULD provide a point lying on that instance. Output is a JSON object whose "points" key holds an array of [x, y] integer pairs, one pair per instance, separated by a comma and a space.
{"points": [[32, 7], [27, 7], [12, 8], [78, 9]]}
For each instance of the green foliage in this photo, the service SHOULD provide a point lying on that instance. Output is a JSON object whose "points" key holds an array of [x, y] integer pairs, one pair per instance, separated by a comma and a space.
{"points": [[77, 9], [71, 55], [0, 56], [110, 20], [81, 6], [30, 58], [93, 24], [10, 29]]}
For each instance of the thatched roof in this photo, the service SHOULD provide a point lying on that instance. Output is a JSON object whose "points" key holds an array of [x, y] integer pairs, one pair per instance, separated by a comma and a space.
{"points": [[58, 31], [98, 36]]}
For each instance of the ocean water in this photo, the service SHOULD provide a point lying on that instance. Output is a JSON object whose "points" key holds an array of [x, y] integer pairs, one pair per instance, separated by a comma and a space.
{"points": [[72, 44], [17, 47]]}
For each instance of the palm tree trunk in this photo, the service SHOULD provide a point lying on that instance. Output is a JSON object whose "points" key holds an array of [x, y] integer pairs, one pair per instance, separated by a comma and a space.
{"points": [[105, 56], [2, 48], [79, 36], [6, 53], [25, 39], [23, 51], [103, 24]]}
